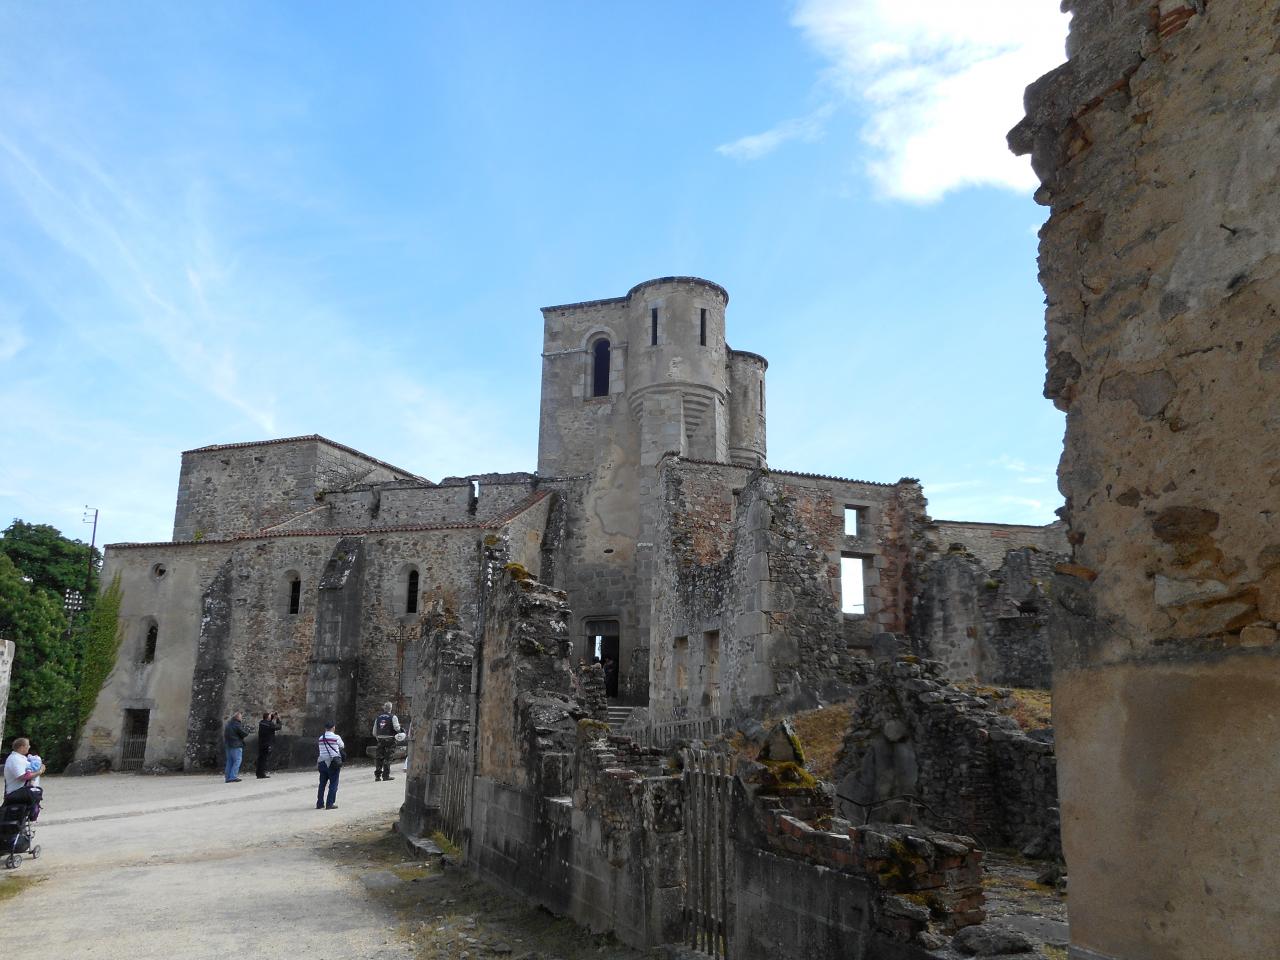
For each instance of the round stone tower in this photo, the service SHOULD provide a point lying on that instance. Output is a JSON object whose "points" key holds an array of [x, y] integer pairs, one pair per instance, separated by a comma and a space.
{"points": [[677, 376], [747, 408]]}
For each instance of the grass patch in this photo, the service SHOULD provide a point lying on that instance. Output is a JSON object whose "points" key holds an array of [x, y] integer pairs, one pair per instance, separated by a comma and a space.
{"points": [[1032, 709], [822, 732], [445, 844], [11, 886]]}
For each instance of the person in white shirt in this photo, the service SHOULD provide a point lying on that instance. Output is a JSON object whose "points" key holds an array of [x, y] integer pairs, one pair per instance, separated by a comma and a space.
{"points": [[18, 774], [329, 762]]}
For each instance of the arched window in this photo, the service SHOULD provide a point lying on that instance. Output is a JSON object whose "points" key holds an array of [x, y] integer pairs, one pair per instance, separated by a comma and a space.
{"points": [[600, 355], [411, 594], [149, 643], [295, 594]]}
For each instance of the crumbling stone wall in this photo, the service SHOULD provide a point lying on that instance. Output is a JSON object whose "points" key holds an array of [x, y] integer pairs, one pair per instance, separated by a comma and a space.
{"points": [[440, 715], [922, 751], [991, 625], [1155, 146], [991, 542], [750, 559]]}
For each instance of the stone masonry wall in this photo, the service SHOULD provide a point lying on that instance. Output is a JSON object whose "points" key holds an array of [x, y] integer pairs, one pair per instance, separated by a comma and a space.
{"points": [[1156, 149], [989, 542], [921, 751], [987, 625], [6, 670]]}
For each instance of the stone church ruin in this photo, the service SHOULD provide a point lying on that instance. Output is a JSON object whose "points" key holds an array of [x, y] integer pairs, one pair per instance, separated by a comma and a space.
{"points": [[715, 591]]}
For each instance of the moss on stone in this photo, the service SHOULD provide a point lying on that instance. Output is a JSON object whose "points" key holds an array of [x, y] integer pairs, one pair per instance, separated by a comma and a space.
{"points": [[785, 776], [591, 727], [491, 540], [517, 571]]}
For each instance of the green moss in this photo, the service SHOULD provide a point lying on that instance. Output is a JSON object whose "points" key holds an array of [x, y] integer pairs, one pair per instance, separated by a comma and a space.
{"points": [[589, 727], [491, 540], [784, 776], [12, 886], [992, 584], [517, 571], [445, 844]]}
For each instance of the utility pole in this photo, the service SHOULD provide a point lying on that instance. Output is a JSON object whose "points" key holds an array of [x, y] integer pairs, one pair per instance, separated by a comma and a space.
{"points": [[93, 540]]}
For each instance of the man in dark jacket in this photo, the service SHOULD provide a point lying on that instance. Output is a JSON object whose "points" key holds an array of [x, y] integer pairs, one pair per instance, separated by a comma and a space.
{"points": [[233, 735], [267, 728]]}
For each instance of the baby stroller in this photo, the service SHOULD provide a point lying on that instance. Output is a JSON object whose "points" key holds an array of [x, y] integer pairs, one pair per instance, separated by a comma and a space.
{"points": [[16, 835]]}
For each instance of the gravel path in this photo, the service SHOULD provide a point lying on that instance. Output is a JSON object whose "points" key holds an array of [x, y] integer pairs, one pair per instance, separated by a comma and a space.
{"points": [[152, 868]]}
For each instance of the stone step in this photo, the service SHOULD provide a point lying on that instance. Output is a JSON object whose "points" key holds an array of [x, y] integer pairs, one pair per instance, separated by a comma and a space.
{"points": [[618, 716]]}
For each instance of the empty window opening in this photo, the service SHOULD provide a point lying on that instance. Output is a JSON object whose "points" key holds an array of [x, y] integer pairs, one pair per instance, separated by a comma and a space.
{"points": [[855, 519], [600, 369], [602, 647], [411, 594], [852, 585], [149, 643], [762, 396], [681, 646], [702, 327], [653, 326], [295, 595]]}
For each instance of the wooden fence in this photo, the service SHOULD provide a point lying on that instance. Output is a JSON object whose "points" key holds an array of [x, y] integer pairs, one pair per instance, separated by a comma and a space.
{"points": [[708, 779], [666, 732]]}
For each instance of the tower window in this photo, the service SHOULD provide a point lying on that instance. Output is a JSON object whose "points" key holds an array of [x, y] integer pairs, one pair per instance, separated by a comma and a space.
{"points": [[411, 594], [295, 595], [762, 396], [702, 327], [149, 647], [653, 326], [600, 369]]}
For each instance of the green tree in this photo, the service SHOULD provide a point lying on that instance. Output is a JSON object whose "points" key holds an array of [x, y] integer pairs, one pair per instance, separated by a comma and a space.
{"points": [[101, 642], [43, 702], [51, 560]]}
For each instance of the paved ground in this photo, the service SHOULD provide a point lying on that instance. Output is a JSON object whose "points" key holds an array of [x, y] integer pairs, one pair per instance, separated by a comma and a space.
{"points": [[145, 867], [157, 868]]}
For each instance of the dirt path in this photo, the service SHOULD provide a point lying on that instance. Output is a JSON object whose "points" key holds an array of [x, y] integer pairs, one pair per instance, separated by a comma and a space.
{"points": [[188, 866]]}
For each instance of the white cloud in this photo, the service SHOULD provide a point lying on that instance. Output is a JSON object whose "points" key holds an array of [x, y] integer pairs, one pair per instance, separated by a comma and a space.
{"points": [[756, 145], [940, 83]]}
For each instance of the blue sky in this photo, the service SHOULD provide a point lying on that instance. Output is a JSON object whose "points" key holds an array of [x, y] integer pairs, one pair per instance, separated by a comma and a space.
{"points": [[243, 221]]}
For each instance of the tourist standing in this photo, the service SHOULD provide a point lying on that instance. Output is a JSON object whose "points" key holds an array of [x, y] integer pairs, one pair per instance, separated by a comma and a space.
{"points": [[332, 752], [234, 736], [386, 729], [267, 728]]}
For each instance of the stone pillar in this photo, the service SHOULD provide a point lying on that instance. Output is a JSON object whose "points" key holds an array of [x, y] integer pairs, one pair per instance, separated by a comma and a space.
{"points": [[1156, 145], [6, 668]]}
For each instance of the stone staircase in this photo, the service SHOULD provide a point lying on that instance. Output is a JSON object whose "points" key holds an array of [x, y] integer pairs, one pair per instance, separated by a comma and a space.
{"points": [[618, 716]]}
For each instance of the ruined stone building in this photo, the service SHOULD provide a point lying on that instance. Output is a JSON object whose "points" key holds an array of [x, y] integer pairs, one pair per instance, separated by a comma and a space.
{"points": [[1156, 147], [300, 571]]}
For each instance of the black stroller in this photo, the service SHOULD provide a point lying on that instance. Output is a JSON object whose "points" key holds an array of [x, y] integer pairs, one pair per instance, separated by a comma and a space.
{"points": [[16, 834]]}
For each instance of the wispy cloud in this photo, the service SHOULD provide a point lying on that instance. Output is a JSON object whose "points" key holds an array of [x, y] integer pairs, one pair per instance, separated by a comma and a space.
{"points": [[806, 129], [939, 83]]}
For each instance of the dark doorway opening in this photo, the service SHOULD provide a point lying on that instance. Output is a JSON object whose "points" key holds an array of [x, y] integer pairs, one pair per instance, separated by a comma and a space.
{"points": [[133, 745], [603, 645]]}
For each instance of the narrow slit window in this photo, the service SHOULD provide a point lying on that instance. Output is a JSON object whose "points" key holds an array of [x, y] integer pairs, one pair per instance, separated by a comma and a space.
{"points": [[852, 586], [653, 326], [600, 369], [295, 596], [149, 647], [411, 594], [762, 396], [702, 326]]}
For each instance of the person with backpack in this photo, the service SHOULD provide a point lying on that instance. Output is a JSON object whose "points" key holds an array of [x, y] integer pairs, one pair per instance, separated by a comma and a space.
{"points": [[386, 729], [332, 752]]}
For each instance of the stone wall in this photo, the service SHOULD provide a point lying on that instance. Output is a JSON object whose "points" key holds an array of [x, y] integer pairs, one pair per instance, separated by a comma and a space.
{"points": [[6, 670], [922, 751], [1155, 146], [991, 625], [747, 586], [990, 542], [239, 488], [226, 638]]}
